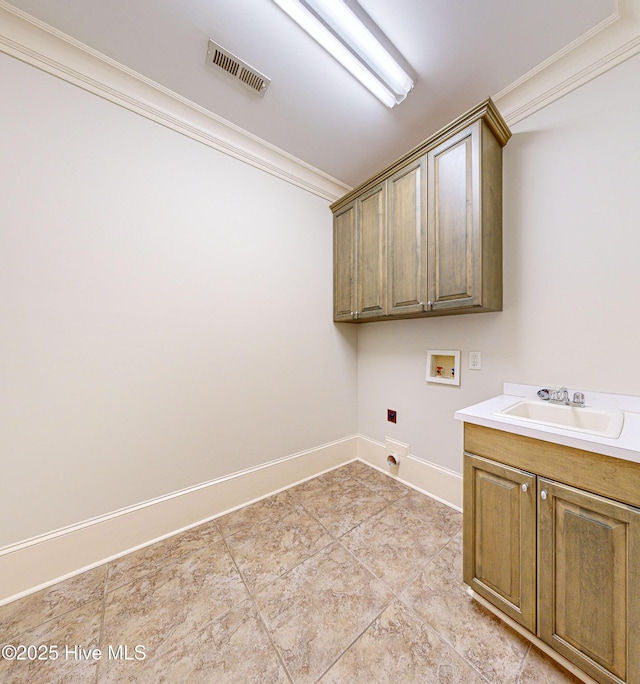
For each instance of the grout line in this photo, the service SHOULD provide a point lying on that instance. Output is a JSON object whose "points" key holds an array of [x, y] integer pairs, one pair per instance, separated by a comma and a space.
{"points": [[57, 616], [258, 612], [524, 660], [299, 502], [104, 610], [395, 595], [425, 622], [432, 629], [366, 629], [313, 553]]}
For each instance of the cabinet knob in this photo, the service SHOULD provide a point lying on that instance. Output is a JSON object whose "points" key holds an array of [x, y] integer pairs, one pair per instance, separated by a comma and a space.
{"points": [[525, 487], [543, 494]]}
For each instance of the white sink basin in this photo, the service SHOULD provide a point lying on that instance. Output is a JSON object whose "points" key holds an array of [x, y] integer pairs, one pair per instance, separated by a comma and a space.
{"points": [[601, 422]]}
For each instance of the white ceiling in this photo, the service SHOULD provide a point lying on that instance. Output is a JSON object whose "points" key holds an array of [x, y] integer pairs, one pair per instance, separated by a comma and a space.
{"points": [[459, 51]]}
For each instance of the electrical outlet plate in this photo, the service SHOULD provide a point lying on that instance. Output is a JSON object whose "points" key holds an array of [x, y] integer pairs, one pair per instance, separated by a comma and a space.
{"points": [[475, 360]]}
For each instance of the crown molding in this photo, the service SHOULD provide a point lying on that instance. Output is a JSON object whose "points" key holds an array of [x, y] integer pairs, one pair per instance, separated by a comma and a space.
{"points": [[38, 44], [612, 41]]}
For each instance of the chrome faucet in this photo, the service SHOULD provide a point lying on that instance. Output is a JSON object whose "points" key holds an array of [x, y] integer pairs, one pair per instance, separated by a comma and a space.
{"points": [[561, 396]]}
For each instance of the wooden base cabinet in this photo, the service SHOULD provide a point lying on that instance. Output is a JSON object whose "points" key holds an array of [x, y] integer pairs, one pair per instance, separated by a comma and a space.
{"points": [[589, 581], [500, 536], [561, 561]]}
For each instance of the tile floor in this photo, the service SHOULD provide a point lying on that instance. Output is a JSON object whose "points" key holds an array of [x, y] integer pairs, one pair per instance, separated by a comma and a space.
{"points": [[348, 577]]}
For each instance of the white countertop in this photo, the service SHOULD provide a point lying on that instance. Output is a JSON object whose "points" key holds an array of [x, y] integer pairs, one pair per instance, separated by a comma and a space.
{"points": [[627, 446]]}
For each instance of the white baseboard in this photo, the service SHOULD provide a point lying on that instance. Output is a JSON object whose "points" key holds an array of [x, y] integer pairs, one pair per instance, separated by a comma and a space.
{"points": [[38, 563], [438, 482]]}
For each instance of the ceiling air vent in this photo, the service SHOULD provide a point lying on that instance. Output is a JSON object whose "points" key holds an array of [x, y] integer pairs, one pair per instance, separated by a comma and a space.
{"points": [[249, 77]]}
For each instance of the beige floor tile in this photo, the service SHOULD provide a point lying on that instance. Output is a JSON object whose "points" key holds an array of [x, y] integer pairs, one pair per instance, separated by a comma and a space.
{"points": [[395, 544], [540, 669], [276, 544], [337, 481], [172, 602], [245, 517], [384, 485], [400, 648], [315, 611], [342, 474], [150, 559], [338, 502], [445, 518], [55, 642], [386, 603], [353, 469], [439, 597], [24, 614], [233, 648]]}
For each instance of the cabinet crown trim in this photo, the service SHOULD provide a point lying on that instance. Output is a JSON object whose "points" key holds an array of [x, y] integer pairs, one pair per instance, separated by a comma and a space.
{"points": [[485, 111]]}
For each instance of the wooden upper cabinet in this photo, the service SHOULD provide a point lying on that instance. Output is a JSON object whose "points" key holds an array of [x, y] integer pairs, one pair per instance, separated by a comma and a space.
{"points": [[344, 263], [407, 239], [442, 252], [454, 222], [360, 257], [371, 250], [465, 222]]}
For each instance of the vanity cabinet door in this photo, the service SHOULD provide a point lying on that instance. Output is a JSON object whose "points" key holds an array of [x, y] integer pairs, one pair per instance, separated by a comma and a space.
{"points": [[589, 581], [500, 536]]}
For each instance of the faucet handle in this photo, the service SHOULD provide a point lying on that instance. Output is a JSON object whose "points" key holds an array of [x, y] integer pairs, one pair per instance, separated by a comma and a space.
{"points": [[578, 399]]}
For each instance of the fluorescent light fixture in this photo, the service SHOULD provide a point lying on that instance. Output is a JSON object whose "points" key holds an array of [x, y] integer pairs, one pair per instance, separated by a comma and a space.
{"points": [[395, 82], [357, 36]]}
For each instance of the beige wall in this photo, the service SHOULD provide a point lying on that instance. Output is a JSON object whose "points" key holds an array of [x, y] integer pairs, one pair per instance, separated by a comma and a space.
{"points": [[571, 287], [166, 311]]}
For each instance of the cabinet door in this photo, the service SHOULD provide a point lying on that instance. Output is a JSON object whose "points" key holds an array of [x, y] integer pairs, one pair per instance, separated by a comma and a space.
{"points": [[454, 259], [371, 253], [500, 536], [589, 581], [344, 263], [407, 239]]}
